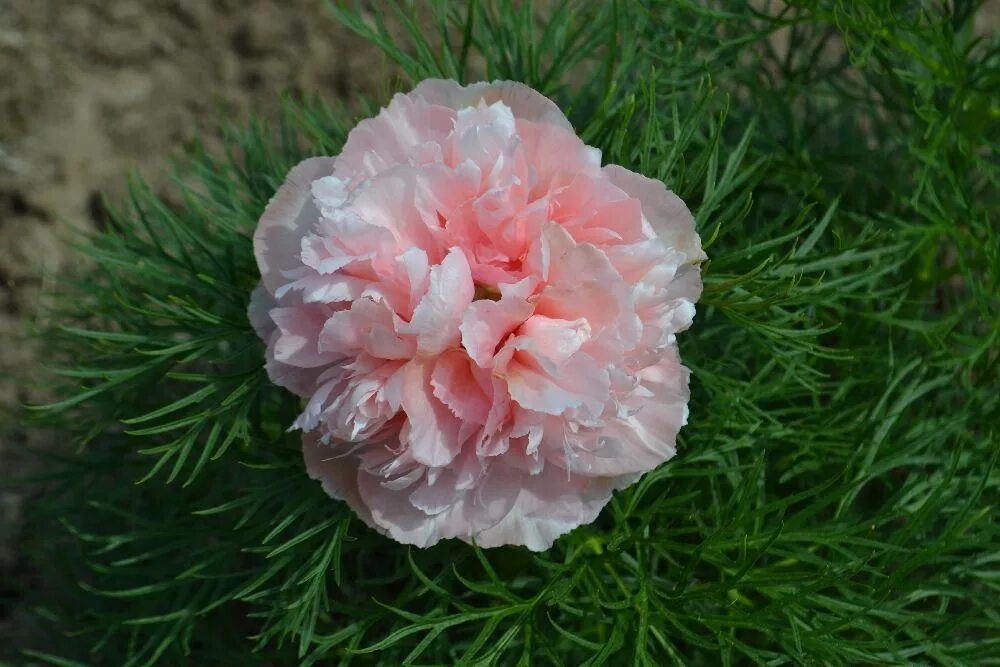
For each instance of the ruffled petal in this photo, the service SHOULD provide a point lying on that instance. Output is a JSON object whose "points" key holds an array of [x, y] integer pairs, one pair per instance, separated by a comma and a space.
{"points": [[524, 101], [432, 432], [555, 341], [548, 505], [633, 442], [261, 303], [369, 326], [337, 471], [462, 387], [665, 211], [299, 331], [438, 315], [424, 515], [486, 324], [579, 382], [289, 216], [392, 138]]}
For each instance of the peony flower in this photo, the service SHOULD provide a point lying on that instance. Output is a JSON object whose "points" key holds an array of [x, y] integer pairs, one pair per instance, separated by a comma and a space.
{"points": [[480, 317]]}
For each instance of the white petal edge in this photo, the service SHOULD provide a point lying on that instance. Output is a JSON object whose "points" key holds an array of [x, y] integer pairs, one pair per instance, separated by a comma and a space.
{"points": [[526, 102], [288, 217], [666, 212]]}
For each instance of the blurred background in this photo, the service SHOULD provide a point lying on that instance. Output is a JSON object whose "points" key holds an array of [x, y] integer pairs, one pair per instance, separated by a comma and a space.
{"points": [[92, 90]]}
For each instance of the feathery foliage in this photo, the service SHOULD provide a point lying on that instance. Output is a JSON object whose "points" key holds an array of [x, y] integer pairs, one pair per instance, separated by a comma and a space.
{"points": [[834, 496]]}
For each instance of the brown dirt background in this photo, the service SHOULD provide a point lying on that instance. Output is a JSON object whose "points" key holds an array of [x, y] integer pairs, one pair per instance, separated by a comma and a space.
{"points": [[91, 90]]}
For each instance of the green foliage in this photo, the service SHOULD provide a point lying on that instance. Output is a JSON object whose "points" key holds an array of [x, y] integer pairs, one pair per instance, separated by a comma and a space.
{"points": [[834, 498]]}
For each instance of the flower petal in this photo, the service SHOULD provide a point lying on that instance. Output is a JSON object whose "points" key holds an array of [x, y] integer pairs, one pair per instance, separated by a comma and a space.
{"points": [[486, 323], [437, 317], [524, 101], [261, 303], [665, 211], [432, 431], [555, 340], [338, 474], [633, 443], [299, 331], [425, 516], [289, 216], [459, 384], [578, 382], [548, 505], [377, 144]]}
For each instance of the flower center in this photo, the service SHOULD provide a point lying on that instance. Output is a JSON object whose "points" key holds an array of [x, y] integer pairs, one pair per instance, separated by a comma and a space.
{"points": [[485, 292]]}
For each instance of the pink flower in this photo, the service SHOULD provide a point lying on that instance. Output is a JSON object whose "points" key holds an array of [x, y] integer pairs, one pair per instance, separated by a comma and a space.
{"points": [[480, 317]]}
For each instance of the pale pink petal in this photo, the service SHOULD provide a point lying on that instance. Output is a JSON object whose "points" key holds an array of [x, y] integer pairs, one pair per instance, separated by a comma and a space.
{"points": [[337, 472], [548, 505], [634, 261], [388, 140], [481, 135], [493, 438], [394, 514], [686, 286], [432, 431], [632, 443], [555, 340], [594, 210], [301, 381], [577, 383], [665, 211], [555, 153], [459, 384], [434, 499], [524, 101], [310, 417], [389, 200], [261, 303], [368, 326], [343, 239], [329, 193], [298, 336], [417, 272], [600, 303], [571, 260], [437, 317], [356, 410], [289, 216], [447, 511], [330, 289], [487, 323]]}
